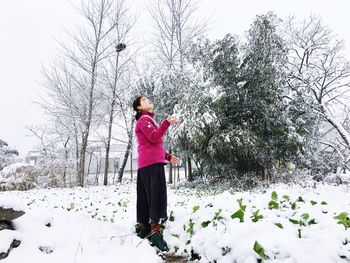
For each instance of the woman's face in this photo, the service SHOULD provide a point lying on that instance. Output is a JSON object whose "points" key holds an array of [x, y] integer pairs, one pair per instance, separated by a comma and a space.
{"points": [[146, 104]]}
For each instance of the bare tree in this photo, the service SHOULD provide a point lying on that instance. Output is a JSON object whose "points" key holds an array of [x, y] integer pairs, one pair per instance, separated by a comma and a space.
{"points": [[126, 126], [130, 133], [318, 71], [90, 45], [175, 30], [113, 70], [120, 119], [56, 149], [63, 105]]}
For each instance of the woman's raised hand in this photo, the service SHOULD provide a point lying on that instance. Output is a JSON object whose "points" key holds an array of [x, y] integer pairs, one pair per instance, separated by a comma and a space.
{"points": [[174, 160], [173, 120]]}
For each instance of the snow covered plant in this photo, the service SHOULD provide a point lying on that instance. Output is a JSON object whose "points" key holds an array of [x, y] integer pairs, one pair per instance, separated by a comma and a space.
{"points": [[303, 221], [307, 225], [18, 176], [7, 154], [343, 219], [240, 212], [287, 216]]}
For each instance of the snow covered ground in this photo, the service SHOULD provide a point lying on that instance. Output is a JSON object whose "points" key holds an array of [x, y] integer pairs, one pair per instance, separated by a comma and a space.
{"points": [[284, 223]]}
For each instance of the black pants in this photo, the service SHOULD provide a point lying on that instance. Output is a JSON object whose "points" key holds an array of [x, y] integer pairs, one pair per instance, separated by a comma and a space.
{"points": [[151, 202]]}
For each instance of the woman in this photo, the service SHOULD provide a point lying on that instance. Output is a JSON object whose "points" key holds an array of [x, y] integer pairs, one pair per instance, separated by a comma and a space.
{"points": [[151, 203]]}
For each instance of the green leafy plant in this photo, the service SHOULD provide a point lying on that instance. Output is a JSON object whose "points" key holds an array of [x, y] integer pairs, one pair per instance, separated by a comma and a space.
{"points": [[293, 205], [303, 221], [241, 206], [273, 205], [171, 216], [256, 216], [343, 219], [205, 223], [195, 208], [240, 212], [259, 249], [217, 215], [279, 225], [274, 196], [300, 199], [285, 200], [286, 197], [190, 227]]}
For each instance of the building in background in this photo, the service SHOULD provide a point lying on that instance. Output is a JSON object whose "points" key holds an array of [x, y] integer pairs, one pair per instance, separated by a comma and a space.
{"points": [[32, 157], [95, 159]]}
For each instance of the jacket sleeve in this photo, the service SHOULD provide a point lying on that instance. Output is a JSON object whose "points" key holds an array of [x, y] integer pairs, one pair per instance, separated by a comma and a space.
{"points": [[153, 133], [168, 156]]}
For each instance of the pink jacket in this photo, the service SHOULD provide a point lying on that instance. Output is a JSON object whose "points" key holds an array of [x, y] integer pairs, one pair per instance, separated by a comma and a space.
{"points": [[149, 138]]}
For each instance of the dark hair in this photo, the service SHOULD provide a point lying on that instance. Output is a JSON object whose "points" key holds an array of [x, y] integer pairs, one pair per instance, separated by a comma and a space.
{"points": [[135, 104]]}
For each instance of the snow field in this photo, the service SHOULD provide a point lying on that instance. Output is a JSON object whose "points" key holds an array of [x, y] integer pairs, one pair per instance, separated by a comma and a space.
{"points": [[293, 224]]}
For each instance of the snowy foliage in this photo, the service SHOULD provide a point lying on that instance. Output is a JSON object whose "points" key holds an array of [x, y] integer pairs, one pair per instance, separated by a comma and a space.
{"points": [[21, 176], [18, 176], [7, 154], [235, 118], [282, 223]]}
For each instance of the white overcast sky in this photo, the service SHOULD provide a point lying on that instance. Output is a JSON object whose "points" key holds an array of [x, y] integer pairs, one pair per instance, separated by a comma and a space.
{"points": [[28, 29]]}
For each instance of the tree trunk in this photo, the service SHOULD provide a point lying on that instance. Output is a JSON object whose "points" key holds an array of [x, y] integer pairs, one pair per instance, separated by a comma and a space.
{"points": [[98, 167], [76, 154], [178, 173], [127, 152], [65, 163], [87, 128], [114, 170], [110, 123], [108, 146], [81, 172], [131, 168], [189, 166], [89, 115], [340, 129], [170, 179], [89, 165]]}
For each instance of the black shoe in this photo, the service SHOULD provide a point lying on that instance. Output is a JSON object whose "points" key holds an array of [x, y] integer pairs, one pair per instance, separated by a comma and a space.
{"points": [[143, 230], [158, 241]]}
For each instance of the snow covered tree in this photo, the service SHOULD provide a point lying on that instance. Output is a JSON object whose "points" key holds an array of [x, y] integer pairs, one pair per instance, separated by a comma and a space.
{"points": [[246, 127], [65, 110], [76, 86], [318, 73], [113, 92], [175, 29], [261, 94], [56, 164], [7, 154], [199, 107]]}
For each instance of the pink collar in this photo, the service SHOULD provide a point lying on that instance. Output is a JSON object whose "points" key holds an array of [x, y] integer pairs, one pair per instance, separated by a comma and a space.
{"points": [[151, 114]]}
